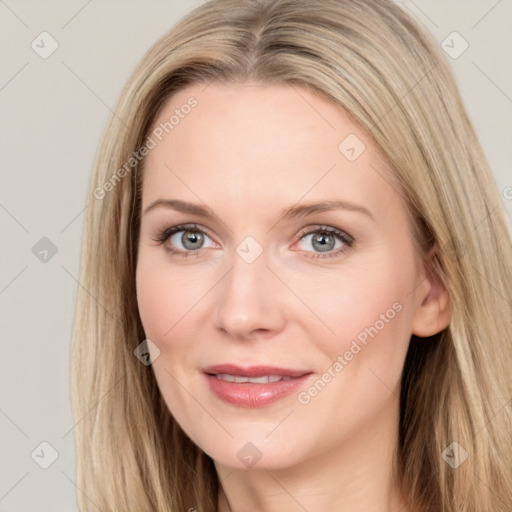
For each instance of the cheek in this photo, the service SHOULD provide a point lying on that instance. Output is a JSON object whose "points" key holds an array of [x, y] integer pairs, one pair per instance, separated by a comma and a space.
{"points": [[165, 297], [369, 312], [154, 301], [365, 313], [166, 306], [174, 309]]}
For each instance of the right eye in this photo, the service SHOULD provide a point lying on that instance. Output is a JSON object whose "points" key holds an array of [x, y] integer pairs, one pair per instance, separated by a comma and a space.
{"points": [[184, 239]]}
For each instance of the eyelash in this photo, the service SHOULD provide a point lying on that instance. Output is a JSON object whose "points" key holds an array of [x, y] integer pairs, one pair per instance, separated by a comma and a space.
{"points": [[345, 238]]}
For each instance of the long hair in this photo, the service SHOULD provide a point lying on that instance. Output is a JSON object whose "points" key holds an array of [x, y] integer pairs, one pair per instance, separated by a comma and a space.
{"points": [[389, 75]]}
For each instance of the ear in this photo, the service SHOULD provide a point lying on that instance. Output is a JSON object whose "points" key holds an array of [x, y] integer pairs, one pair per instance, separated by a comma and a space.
{"points": [[434, 308]]}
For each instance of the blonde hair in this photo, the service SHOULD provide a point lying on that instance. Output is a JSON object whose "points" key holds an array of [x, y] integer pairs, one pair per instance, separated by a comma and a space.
{"points": [[381, 67]]}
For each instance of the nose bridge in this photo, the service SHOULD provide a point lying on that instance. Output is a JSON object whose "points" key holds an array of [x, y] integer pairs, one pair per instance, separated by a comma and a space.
{"points": [[248, 298]]}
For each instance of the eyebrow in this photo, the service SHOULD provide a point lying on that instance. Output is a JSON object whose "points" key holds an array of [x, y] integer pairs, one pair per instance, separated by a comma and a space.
{"points": [[300, 210]]}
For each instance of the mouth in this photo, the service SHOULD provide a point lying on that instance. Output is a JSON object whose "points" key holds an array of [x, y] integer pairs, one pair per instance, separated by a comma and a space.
{"points": [[254, 371], [240, 379], [254, 386]]}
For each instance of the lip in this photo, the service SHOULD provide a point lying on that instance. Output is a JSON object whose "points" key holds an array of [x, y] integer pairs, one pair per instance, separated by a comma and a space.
{"points": [[251, 395]]}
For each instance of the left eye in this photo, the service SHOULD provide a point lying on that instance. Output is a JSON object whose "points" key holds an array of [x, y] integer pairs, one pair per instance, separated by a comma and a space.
{"points": [[326, 240]]}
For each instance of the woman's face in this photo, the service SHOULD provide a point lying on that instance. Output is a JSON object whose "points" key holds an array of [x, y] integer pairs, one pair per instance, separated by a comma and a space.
{"points": [[258, 284]]}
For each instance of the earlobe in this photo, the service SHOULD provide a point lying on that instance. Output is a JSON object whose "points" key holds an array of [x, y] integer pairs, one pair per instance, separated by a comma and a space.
{"points": [[434, 308]]}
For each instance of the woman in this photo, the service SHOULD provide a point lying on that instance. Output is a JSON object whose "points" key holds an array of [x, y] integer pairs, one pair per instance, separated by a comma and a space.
{"points": [[296, 275]]}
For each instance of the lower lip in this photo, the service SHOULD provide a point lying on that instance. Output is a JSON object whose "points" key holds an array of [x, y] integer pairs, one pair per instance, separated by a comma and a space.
{"points": [[245, 394]]}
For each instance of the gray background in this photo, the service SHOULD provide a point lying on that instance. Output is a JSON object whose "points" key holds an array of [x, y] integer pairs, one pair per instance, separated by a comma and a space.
{"points": [[53, 112]]}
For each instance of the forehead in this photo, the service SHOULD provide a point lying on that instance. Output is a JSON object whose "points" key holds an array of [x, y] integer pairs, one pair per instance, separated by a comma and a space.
{"points": [[244, 143]]}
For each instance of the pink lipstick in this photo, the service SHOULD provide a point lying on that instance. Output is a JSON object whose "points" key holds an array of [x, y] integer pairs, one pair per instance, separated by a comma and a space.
{"points": [[254, 386]]}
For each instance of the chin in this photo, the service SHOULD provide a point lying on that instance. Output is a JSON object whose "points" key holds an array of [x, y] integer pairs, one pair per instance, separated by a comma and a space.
{"points": [[257, 455]]}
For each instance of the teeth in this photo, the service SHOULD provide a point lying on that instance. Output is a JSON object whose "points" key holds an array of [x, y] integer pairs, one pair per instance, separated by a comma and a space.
{"points": [[265, 379], [226, 377]]}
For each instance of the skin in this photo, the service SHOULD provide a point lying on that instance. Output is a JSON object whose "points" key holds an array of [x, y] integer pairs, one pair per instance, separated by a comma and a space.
{"points": [[246, 152]]}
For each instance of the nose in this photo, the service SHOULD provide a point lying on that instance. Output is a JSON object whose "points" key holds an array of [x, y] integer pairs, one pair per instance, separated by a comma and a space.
{"points": [[250, 300]]}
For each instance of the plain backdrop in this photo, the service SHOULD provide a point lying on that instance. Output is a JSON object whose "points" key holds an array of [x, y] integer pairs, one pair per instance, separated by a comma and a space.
{"points": [[53, 112]]}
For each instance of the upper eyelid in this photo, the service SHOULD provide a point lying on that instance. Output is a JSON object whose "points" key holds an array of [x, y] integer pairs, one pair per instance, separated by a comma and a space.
{"points": [[322, 227], [189, 227], [173, 230]]}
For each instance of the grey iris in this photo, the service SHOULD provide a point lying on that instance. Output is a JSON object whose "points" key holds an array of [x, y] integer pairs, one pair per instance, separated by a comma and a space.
{"points": [[189, 238], [320, 243]]}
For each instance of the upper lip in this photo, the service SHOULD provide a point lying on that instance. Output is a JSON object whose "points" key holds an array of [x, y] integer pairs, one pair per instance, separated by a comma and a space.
{"points": [[253, 371]]}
